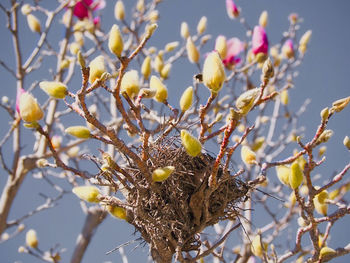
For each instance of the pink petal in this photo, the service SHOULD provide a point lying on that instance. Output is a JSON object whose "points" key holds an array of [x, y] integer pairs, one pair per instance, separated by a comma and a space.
{"points": [[100, 4], [260, 43], [232, 9], [20, 91], [234, 48], [81, 9]]}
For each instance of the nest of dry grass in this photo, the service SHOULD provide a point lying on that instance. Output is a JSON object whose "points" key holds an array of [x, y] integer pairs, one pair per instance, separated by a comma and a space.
{"points": [[171, 213]]}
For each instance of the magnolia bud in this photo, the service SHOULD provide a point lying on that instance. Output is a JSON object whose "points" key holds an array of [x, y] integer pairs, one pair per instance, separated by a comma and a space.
{"points": [[97, 68], [171, 46], [80, 132], [147, 93], [321, 197], [161, 174], [119, 10], [295, 175], [150, 29], [161, 90], [263, 19], [153, 16], [192, 51], [340, 104], [284, 97], [267, 70], [324, 137], [185, 32], [258, 143], [81, 59], [246, 100], [117, 212], [146, 67], [54, 89], [41, 163], [221, 46], [73, 152], [258, 247], [33, 23], [213, 72], [130, 83], [192, 146], [325, 251], [29, 108], [21, 249], [288, 49], [158, 63], [186, 99], [346, 142], [115, 41], [87, 193], [247, 155], [283, 173], [302, 222], [202, 25], [140, 6], [164, 73], [324, 114], [74, 48], [26, 9], [304, 40], [31, 239]]}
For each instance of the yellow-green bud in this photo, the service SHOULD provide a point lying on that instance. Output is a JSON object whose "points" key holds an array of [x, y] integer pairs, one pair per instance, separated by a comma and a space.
{"points": [[284, 97], [247, 155], [302, 222], [41, 163], [146, 67], [267, 69], [192, 51], [304, 40], [171, 46], [346, 142], [161, 90], [97, 68], [221, 46], [258, 143], [31, 239], [80, 132], [81, 59], [87, 193], [340, 104], [256, 247], [324, 137], [202, 25], [191, 144], [325, 251], [324, 114], [148, 93], [246, 100], [74, 48], [283, 174], [161, 174], [115, 41], [158, 63], [117, 212], [186, 99], [55, 89], [295, 175], [130, 83], [263, 19], [185, 32], [26, 9], [213, 72], [150, 29], [140, 6], [29, 108], [164, 73], [33, 23], [119, 10]]}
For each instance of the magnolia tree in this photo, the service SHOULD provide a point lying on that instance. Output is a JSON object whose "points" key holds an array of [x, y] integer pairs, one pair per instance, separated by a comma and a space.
{"points": [[172, 171]]}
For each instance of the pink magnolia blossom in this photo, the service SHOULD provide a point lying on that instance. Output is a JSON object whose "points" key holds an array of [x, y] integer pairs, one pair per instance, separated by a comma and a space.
{"points": [[288, 49], [232, 9], [234, 48], [260, 43], [20, 91], [82, 8]]}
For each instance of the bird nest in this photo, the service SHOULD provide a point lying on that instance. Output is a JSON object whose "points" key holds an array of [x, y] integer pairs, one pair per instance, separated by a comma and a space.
{"points": [[170, 214]]}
